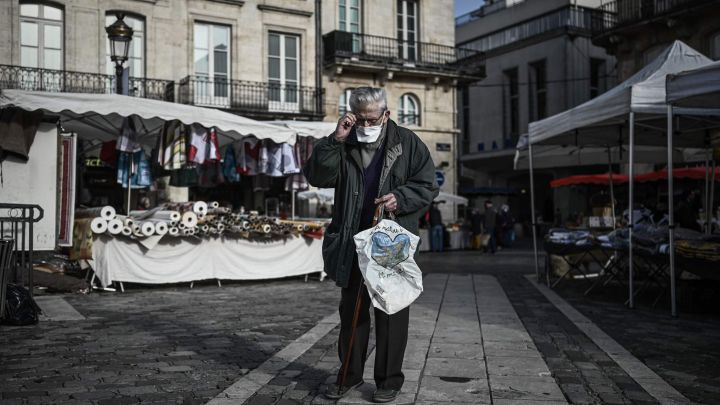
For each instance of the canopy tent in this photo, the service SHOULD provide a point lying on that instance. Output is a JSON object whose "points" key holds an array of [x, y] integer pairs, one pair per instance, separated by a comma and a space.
{"points": [[451, 198], [323, 195], [691, 173], [698, 88], [314, 129], [596, 179], [633, 112], [100, 116]]}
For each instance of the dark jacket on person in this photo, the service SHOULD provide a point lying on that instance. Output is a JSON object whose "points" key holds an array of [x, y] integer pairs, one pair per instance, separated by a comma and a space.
{"points": [[407, 171], [435, 216], [490, 219]]}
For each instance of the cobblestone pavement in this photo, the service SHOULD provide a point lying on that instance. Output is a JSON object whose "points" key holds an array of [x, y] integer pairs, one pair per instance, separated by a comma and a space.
{"points": [[481, 333]]}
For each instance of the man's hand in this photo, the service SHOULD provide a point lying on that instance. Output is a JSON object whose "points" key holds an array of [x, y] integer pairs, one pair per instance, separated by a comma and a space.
{"points": [[344, 126], [389, 201]]}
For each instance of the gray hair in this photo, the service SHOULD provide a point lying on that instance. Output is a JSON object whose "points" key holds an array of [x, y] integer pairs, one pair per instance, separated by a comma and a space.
{"points": [[363, 97]]}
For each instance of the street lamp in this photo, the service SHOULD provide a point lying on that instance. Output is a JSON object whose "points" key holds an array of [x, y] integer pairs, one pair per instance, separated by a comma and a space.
{"points": [[120, 35]]}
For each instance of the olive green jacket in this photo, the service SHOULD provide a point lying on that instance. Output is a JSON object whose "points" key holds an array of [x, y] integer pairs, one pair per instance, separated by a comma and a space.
{"points": [[408, 172]]}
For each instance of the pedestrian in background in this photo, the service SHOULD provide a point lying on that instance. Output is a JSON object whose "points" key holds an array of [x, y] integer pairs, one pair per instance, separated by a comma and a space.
{"points": [[369, 160], [489, 223], [507, 226], [436, 227], [476, 227]]}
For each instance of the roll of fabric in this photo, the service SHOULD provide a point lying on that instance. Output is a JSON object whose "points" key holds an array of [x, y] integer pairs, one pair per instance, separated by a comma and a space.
{"points": [[127, 231], [161, 228], [147, 228], [99, 225], [173, 231], [189, 219], [107, 212], [213, 204], [201, 207], [115, 226]]}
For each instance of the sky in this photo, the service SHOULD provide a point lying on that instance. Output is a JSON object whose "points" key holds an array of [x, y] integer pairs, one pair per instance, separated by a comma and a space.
{"points": [[466, 6]]}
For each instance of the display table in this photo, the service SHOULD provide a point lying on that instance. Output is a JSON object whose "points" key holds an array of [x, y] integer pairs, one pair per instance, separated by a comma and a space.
{"points": [[459, 240], [176, 260]]}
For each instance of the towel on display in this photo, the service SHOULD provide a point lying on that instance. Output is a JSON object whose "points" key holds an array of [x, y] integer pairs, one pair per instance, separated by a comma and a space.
{"points": [[128, 141], [172, 147], [229, 166], [140, 171], [248, 156]]}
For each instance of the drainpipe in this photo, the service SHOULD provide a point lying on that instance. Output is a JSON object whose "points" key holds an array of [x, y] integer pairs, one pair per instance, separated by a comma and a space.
{"points": [[318, 57]]}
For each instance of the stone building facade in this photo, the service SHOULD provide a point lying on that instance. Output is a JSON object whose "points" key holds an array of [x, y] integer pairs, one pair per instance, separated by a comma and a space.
{"points": [[257, 58]]}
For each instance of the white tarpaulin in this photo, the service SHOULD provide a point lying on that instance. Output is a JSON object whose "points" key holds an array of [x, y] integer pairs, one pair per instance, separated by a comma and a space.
{"points": [[451, 198], [698, 88], [602, 120], [315, 129], [100, 116], [216, 258], [323, 195], [552, 156]]}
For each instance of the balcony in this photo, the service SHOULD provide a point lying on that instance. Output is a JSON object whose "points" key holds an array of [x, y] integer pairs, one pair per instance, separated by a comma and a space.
{"points": [[259, 100], [370, 52], [621, 14], [63, 81]]}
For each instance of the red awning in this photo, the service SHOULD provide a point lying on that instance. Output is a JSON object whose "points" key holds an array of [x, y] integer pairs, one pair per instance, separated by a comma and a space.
{"points": [[600, 179], [693, 173]]}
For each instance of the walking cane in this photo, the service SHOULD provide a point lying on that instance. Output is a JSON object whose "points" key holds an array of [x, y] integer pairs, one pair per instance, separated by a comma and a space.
{"points": [[379, 211]]}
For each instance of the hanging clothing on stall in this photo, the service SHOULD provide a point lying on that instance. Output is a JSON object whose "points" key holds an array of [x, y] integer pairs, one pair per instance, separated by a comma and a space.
{"points": [[230, 166], [302, 151], [272, 159], [248, 156], [129, 139], [203, 144], [140, 170], [109, 153], [172, 146], [289, 161]]}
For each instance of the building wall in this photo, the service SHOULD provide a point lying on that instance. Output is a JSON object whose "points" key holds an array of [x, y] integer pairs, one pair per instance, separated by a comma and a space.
{"points": [[169, 26]]}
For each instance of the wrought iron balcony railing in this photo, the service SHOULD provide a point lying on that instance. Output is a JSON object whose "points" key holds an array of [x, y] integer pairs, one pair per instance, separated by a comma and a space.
{"points": [[63, 81], [371, 48], [263, 99], [617, 13]]}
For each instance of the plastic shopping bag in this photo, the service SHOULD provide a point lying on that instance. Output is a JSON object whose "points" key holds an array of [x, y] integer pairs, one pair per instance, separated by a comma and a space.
{"points": [[385, 256]]}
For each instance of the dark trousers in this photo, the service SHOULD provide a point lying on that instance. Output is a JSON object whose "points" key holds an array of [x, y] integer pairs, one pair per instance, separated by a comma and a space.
{"points": [[391, 334]]}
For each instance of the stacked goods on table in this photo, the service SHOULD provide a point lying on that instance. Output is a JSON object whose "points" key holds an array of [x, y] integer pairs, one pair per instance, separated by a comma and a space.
{"points": [[569, 237], [192, 219]]}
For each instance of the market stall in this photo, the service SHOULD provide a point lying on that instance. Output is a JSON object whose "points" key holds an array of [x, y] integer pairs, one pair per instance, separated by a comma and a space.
{"points": [[175, 240], [633, 113]]}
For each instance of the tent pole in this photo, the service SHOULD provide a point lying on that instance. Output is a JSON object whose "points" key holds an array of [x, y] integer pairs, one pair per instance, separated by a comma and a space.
{"points": [[612, 186], [671, 209], [532, 209], [631, 197], [293, 204], [708, 209], [712, 188], [129, 174]]}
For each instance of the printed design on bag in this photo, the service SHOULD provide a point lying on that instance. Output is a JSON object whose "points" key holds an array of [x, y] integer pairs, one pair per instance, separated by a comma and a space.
{"points": [[389, 252]]}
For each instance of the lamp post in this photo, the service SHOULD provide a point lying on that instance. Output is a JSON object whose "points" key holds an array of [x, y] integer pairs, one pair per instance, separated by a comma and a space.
{"points": [[120, 35]]}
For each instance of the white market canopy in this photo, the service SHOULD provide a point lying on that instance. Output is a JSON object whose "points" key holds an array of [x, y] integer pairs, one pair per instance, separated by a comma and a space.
{"points": [[323, 195], [451, 198], [552, 156], [314, 129], [699, 88], [602, 121], [100, 116]]}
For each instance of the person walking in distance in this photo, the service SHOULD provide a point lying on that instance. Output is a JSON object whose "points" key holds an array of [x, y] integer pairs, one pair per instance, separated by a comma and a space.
{"points": [[489, 223], [369, 160], [436, 227]]}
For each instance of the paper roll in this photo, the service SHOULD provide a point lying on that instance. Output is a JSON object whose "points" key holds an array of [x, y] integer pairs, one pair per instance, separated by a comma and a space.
{"points": [[205, 228], [220, 227], [266, 228], [161, 228], [99, 225], [107, 212], [181, 226], [213, 204], [115, 226], [173, 231], [189, 219], [126, 231], [200, 207], [147, 228]]}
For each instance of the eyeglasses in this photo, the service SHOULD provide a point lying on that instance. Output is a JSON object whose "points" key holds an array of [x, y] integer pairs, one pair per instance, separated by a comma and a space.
{"points": [[369, 122]]}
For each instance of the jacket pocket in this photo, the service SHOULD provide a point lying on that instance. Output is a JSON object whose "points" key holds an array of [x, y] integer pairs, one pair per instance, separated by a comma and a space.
{"points": [[330, 253]]}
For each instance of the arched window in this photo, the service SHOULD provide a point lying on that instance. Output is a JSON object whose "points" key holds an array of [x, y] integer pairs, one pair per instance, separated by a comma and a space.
{"points": [[41, 35], [409, 111], [136, 53], [344, 102]]}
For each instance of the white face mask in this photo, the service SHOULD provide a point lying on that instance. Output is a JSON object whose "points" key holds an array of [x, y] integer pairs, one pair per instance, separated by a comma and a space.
{"points": [[368, 134]]}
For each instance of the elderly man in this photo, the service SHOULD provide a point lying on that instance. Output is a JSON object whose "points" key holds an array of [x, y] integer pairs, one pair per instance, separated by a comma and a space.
{"points": [[369, 160]]}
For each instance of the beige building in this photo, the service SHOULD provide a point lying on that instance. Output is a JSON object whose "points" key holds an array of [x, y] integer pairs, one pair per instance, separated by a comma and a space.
{"points": [[257, 58]]}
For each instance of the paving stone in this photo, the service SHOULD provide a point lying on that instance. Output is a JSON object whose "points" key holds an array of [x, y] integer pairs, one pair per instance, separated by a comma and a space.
{"points": [[441, 367], [437, 389]]}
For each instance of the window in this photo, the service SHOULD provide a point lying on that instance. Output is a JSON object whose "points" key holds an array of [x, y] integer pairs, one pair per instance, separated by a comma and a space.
{"points": [[212, 63], [41, 36], [715, 46], [136, 53], [349, 19], [283, 71], [409, 112], [537, 73], [597, 77], [344, 102], [407, 13], [511, 105]]}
